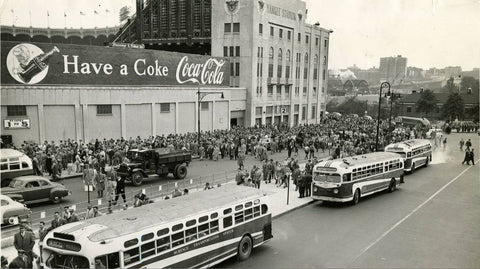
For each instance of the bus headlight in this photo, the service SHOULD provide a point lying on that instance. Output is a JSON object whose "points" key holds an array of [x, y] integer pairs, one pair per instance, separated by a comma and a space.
{"points": [[335, 191], [315, 189]]}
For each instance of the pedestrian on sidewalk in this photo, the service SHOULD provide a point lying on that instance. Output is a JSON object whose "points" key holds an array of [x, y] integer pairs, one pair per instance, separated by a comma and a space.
{"points": [[42, 232], [461, 144], [57, 221], [100, 182], [466, 159], [120, 190], [22, 261]]}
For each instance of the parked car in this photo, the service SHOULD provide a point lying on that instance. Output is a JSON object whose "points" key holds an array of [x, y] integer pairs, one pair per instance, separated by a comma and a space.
{"points": [[35, 189], [13, 212]]}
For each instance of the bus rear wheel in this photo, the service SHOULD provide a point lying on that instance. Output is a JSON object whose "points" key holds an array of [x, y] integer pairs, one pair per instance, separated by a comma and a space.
{"points": [[356, 197], [245, 248], [427, 161]]}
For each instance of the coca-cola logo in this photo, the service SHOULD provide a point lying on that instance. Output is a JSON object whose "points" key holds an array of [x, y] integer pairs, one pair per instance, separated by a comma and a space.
{"points": [[202, 73], [23, 65]]}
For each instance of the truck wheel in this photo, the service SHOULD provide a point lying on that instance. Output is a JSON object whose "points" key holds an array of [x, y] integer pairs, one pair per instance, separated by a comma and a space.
{"points": [[137, 178], [180, 171]]}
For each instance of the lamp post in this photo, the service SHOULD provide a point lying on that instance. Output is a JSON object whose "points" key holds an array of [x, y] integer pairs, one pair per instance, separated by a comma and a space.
{"points": [[383, 85], [200, 96]]}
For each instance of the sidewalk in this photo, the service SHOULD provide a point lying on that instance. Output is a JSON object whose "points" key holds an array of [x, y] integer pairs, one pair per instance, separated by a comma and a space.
{"points": [[278, 201]]}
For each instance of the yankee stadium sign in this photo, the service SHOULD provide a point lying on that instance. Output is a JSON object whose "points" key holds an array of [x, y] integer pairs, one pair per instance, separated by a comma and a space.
{"points": [[60, 64]]}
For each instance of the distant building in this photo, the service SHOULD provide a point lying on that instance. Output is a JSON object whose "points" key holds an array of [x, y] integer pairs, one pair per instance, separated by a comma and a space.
{"points": [[393, 69], [409, 104], [372, 75], [415, 73], [452, 71]]}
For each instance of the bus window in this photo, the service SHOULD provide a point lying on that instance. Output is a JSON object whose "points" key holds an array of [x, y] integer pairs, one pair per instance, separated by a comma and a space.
{"points": [[191, 222], [131, 256], [239, 217], [203, 230], [148, 249], [162, 232], [214, 226], [227, 221], [256, 211], [347, 177], [203, 219], [264, 209], [108, 261], [248, 204], [227, 211], [256, 202], [248, 214], [191, 234], [14, 166], [214, 215], [238, 207], [4, 166], [146, 237], [177, 239], [334, 178], [163, 244], [177, 227], [24, 165], [131, 242]]}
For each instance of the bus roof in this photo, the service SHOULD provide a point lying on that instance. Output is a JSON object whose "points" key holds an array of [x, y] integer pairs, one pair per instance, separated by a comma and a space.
{"points": [[409, 144], [359, 160], [10, 153], [133, 220]]}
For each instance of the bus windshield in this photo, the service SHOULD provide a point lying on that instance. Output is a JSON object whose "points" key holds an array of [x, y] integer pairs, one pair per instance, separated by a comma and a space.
{"points": [[333, 178], [56, 260]]}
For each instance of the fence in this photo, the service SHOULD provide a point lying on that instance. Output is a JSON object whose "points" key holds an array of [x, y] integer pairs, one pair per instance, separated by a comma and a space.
{"points": [[157, 193]]}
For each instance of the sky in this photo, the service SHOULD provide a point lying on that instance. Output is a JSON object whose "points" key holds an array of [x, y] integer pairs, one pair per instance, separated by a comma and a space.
{"points": [[430, 33]]}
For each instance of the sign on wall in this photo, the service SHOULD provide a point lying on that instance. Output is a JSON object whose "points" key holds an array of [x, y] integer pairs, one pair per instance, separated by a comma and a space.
{"points": [[63, 64], [16, 124]]}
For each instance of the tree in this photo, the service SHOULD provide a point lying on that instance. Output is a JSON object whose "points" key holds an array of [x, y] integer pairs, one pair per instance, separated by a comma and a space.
{"points": [[332, 105], [427, 102], [469, 82], [454, 107]]}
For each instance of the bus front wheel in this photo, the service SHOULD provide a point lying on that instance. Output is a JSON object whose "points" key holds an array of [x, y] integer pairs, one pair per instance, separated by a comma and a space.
{"points": [[393, 185], [245, 248], [356, 197]]}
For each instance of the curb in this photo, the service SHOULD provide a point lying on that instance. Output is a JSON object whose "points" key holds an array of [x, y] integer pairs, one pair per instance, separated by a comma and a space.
{"points": [[293, 209]]}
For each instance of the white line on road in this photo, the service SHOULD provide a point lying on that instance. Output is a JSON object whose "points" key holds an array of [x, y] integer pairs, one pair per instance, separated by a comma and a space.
{"points": [[411, 213]]}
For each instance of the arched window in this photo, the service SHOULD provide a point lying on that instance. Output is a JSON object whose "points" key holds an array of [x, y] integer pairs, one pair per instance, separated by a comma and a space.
{"points": [[287, 67], [306, 58], [270, 62], [270, 53], [280, 56], [315, 66], [279, 63], [287, 56]]}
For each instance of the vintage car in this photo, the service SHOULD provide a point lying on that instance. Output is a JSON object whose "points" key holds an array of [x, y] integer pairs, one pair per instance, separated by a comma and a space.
{"points": [[35, 189], [13, 212]]}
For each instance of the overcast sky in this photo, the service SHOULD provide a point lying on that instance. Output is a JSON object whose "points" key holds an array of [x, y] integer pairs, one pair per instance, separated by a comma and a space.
{"points": [[430, 33]]}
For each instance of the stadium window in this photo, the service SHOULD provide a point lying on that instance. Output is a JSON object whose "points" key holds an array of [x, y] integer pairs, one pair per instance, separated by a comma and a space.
{"points": [[237, 69], [316, 41], [104, 109], [260, 29], [299, 37], [165, 107], [289, 35], [306, 39], [237, 51], [231, 51], [271, 30], [325, 43], [225, 51], [13, 111], [236, 27], [280, 33], [227, 28]]}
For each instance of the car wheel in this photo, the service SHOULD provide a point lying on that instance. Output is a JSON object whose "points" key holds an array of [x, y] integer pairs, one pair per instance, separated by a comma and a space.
{"points": [[180, 171], [356, 197], [393, 185], [56, 199], [244, 248], [413, 169], [137, 178]]}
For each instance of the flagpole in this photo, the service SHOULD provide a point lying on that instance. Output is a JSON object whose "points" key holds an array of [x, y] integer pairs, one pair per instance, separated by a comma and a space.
{"points": [[48, 19], [30, 16], [13, 17], [65, 19]]}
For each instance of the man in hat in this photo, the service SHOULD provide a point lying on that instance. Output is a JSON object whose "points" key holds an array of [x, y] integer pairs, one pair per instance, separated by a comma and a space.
{"points": [[24, 241], [21, 261]]}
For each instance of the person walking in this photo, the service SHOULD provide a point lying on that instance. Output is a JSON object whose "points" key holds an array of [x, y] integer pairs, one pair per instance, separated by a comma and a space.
{"points": [[100, 182], [24, 241], [462, 142], [467, 156], [120, 190], [471, 157]]}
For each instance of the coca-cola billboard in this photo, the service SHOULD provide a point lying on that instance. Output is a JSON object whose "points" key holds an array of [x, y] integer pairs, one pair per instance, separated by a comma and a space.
{"points": [[61, 64]]}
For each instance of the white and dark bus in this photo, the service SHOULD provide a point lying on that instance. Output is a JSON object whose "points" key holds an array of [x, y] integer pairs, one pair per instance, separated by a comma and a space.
{"points": [[197, 230], [415, 152], [349, 179], [14, 163]]}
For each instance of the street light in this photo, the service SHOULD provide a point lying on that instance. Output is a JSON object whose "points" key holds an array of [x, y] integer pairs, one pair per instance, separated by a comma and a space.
{"points": [[383, 85], [200, 96]]}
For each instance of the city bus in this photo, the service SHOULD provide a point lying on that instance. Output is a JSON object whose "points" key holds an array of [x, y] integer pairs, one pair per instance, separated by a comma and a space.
{"points": [[349, 179], [200, 229], [415, 152], [14, 163]]}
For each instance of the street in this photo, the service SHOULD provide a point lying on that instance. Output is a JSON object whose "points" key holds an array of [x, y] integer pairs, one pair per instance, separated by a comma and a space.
{"points": [[430, 221]]}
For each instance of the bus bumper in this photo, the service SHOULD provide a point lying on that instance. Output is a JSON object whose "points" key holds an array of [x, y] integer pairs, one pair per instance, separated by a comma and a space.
{"points": [[332, 199]]}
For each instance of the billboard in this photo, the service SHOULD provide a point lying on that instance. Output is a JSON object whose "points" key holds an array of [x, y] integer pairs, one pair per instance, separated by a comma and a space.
{"points": [[76, 65]]}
